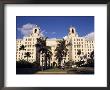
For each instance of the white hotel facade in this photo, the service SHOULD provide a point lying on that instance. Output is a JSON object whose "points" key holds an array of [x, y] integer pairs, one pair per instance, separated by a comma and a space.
{"points": [[86, 46]]}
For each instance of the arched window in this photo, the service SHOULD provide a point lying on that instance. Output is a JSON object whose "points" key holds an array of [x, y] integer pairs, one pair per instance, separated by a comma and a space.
{"points": [[35, 30], [72, 30]]}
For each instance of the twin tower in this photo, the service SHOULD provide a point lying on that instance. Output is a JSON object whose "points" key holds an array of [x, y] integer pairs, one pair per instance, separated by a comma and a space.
{"points": [[72, 31]]}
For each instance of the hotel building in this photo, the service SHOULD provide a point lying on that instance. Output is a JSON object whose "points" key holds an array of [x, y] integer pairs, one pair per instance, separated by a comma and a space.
{"points": [[76, 43]]}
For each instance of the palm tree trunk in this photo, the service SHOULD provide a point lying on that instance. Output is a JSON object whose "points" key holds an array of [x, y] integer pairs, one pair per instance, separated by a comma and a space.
{"points": [[22, 55], [59, 63], [42, 65], [37, 57], [27, 58], [45, 62], [49, 62]]}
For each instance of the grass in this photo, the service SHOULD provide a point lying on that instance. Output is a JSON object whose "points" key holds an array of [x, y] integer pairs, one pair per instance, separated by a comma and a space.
{"points": [[52, 71], [80, 70]]}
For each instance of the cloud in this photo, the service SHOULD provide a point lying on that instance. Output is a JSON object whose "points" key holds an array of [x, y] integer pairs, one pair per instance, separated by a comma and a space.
{"points": [[89, 36], [65, 37], [42, 33], [27, 29]]}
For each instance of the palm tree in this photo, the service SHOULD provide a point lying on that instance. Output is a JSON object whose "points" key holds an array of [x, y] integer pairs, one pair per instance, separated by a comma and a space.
{"points": [[27, 54], [61, 51], [38, 46], [92, 55], [91, 60], [79, 52], [48, 55], [22, 47], [44, 50]]}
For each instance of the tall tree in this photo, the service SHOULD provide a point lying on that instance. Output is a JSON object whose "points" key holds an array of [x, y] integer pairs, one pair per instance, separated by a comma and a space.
{"points": [[61, 51], [27, 54], [38, 46], [22, 48], [92, 55], [91, 60], [79, 52], [44, 50], [48, 55]]}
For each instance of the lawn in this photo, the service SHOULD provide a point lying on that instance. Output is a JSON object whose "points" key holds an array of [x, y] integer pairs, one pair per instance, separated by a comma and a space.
{"points": [[80, 70], [52, 71]]}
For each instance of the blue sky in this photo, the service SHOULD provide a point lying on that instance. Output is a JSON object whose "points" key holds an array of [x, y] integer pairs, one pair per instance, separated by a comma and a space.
{"points": [[55, 26]]}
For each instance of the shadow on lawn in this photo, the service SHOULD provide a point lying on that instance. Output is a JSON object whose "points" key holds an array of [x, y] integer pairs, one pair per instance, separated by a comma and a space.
{"points": [[26, 70], [81, 70]]}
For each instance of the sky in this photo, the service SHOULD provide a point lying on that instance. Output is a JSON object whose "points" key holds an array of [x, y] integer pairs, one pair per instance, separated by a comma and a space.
{"points": [[54, 26]]}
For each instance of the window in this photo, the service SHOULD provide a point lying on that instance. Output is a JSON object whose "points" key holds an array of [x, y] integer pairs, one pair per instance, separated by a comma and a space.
{"points": [[72, 30], [29, 39], [35, 30]]}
